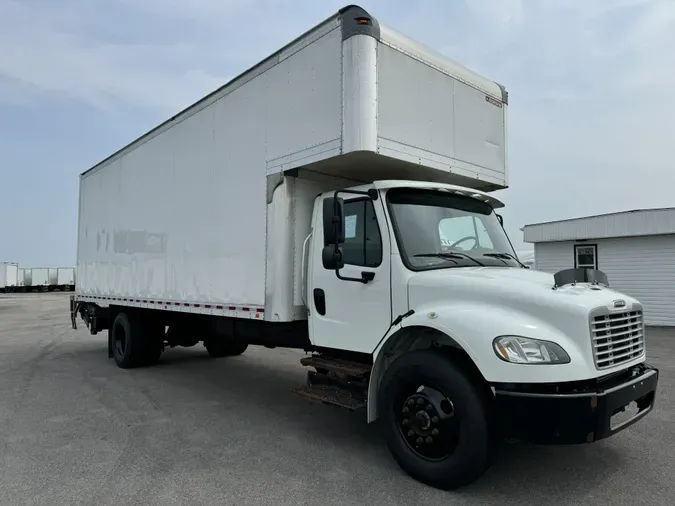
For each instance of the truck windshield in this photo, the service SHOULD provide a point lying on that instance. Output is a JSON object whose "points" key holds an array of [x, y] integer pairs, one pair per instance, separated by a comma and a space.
{"points": [[438, 229]]}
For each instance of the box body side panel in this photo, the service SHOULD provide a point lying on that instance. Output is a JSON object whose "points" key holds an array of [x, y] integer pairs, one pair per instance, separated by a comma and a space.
{"points": [[182, 215], [427, 116]]}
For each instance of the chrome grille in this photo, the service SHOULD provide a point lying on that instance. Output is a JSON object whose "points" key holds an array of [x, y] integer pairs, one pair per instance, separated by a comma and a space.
{"points": [[617, 338]]}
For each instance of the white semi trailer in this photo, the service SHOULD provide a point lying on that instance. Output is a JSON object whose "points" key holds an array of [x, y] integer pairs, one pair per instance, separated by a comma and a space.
{"points": [[65, 278], [334, 198], [39, 278], [9, 276]]}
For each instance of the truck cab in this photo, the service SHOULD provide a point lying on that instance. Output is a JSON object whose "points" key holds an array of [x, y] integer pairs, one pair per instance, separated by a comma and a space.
{"points": [[395, 238], [463, 337]]}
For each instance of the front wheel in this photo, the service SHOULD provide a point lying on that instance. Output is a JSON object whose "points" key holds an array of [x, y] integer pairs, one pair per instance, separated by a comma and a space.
{"points": [[436, 421]]}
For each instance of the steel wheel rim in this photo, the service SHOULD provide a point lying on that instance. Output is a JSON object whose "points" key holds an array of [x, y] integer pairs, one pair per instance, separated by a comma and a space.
{"points": [[427, 421]]}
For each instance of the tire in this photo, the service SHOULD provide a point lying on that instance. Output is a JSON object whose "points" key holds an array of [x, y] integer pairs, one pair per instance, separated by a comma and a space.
{"points": [[457, 437], [135, 343], [127, 345], [224, 347]]}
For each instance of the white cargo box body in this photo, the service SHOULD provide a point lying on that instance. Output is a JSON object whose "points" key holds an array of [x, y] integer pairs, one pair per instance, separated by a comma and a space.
{"points": [[53, 276], [65, 276], [8, 275], [39, 276], [179, 216], [20, 277]]}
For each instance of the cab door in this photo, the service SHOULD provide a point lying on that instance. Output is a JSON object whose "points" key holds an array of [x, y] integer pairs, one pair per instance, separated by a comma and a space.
{"points": [[351, 315]]}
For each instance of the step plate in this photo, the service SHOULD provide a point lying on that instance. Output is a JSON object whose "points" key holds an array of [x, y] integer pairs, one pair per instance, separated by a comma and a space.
{"points": [[331, 396], [341, 366]]}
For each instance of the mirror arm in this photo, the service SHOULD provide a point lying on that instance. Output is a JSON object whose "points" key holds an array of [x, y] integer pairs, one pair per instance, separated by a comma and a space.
{"points": [[363, 279]]}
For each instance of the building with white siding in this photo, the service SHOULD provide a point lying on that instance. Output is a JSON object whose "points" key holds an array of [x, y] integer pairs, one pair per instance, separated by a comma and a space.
{"points": [[636, 249]]}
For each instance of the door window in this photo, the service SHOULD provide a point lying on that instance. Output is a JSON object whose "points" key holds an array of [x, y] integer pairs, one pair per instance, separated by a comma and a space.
{"points": [[363, 242]]}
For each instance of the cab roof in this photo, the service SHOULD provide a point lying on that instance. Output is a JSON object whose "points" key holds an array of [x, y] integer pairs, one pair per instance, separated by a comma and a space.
{"points": [[461, 190]]}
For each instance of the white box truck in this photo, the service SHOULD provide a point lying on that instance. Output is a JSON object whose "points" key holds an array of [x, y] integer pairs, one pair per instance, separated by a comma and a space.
{"points": [[40, 278], [8, 276], [65, 279], [334, 198]]}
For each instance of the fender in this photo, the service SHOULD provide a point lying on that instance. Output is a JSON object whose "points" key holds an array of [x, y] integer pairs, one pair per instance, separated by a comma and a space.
{"points": [[471, 327]]}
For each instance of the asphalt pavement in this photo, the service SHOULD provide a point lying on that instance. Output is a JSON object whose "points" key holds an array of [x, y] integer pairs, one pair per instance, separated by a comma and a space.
{"points": [[75, 429]]}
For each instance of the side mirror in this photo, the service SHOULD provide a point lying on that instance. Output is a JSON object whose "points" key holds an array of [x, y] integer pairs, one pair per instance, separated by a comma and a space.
{"points": [[332, 258], [333, 222]]}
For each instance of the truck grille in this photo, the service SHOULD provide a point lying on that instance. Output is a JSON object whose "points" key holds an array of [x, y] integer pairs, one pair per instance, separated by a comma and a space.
{"points": [[617, 338]]}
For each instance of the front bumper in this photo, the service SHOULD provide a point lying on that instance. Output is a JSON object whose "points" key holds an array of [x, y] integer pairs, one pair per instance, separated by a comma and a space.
{"points": [[578, 412]]}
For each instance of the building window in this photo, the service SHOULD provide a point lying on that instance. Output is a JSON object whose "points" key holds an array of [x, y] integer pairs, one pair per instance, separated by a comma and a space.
{"points": [[586, 256], [363, 244]]}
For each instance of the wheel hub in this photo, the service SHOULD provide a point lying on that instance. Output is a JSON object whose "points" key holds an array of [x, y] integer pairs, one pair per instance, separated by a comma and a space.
{"points": [[426, 421], [423, 420]]}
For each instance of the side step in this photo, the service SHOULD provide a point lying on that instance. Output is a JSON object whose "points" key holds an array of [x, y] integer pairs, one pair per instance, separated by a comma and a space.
{"points": [[331, 396], [336, 382], [353, 369]]}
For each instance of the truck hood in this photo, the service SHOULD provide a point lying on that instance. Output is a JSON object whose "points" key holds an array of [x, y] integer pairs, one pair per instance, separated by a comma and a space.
{"points": [[524, 290]]}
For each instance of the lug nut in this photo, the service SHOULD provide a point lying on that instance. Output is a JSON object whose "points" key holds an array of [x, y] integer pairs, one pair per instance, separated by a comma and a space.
{"points": [[434, 419], [405, 422], [430, 408], [434, 432], [411, 402], [405, 410], [410, 433], [429, 440], [420, 441], [420, 401]]}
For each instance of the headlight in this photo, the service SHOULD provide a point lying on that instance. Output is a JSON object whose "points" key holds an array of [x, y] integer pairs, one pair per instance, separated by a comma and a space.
{"points": [[523, 350]]}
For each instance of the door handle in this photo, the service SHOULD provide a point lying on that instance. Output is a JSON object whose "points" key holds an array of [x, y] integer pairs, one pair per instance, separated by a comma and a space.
{"points": [[320, 301]]}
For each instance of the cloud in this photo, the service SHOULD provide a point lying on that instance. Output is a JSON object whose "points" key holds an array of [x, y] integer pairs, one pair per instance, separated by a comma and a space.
{"points": [[590, 82], [46, 58]]}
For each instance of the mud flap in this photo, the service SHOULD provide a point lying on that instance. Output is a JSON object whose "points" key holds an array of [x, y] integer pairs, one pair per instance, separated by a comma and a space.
{"points": [[110, 344], [74, 307]]}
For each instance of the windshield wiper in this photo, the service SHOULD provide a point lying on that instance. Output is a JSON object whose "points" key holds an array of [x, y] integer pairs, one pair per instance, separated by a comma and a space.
{"points": [[501, 256], [451, 256]]}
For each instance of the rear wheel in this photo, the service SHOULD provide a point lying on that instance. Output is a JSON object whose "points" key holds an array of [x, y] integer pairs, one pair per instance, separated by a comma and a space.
{"points": [[224, 347], [134, 342], [436, 420], [126, 342]]}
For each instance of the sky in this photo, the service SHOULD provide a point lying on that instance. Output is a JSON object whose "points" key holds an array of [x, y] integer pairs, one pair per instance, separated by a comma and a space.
{"points": [[590, 85]]}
